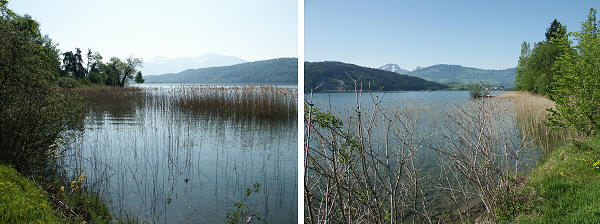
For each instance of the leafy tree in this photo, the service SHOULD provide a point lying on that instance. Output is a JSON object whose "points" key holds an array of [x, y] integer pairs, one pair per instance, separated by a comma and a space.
{"points": [[94, 60], [138, 78], [34, 113], [95, 68], [576, 89], [119, 72], [523, 80], [535, 70]]}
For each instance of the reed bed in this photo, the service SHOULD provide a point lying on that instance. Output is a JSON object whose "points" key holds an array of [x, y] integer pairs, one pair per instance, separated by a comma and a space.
{"points": [[255, 101], [265, 102], [531, 115], [108, 93]]}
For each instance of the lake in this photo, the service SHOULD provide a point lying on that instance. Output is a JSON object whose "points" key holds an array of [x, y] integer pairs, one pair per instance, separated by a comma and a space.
{"points": [[153, 160], [423, 121]]}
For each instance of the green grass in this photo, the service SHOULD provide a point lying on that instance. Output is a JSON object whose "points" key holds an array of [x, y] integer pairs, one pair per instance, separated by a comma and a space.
{"points": [[21, 201], [566, 186]]}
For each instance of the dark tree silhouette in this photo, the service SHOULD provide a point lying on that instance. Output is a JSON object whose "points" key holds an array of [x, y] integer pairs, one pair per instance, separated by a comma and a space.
{"points": [[73, 64], [556, 30]]}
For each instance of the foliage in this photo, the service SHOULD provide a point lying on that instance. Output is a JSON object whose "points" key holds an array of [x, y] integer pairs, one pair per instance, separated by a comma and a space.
{"points": [[67, 82], [138, 78], [556, 30], [273, 71], [479, 91], [333, 76], [576, 86], [73, 64], [242, 213], [21, 201], [120, 72], [33, 111], [535, 69]]}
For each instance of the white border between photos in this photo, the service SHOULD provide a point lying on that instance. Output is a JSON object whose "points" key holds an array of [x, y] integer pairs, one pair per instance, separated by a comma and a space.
{"points": [[300, 111]]}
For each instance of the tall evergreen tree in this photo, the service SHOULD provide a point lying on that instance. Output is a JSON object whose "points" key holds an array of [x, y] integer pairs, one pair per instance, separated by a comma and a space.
{"points": [[556, 30]]}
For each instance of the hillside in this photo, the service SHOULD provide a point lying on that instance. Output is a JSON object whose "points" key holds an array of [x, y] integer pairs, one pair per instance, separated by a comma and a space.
{"points": [[331, 76], [458, 74], [449, 74], [272, 71]]}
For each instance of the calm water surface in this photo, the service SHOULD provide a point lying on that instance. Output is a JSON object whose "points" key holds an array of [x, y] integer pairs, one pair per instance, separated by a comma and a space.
{"points": [[429, 112], [169, 166]]}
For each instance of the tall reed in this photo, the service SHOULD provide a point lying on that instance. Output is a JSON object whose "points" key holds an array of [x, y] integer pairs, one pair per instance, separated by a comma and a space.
{"points": [[531, 115], [256, 101]]}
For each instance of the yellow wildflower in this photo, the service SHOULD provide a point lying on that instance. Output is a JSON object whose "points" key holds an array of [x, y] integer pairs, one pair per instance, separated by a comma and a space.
{"points": [[62, 188]]}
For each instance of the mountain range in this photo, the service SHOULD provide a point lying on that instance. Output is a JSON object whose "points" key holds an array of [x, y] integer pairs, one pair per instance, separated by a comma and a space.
{"points": [[162, 65], [451, 74], [272, 71], [331, 76]]}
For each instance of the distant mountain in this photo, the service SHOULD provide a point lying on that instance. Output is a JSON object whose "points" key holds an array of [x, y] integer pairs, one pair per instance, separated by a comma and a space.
{"points": [[394, 68], [331, 76], [449, 74], [162, 65], [273, 71]]}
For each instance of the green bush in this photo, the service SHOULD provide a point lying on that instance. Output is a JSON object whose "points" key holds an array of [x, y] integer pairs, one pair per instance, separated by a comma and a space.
{"points": [[577, 80], [67, 82], [34, 112]]}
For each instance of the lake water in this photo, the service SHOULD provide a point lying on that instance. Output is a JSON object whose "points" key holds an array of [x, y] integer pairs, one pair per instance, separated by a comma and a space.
{"points": [[429, 111], [164, 165]]}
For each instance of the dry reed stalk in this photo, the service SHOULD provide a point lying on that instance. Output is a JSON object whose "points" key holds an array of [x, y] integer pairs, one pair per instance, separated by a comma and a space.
{"points": [[531, 115]]}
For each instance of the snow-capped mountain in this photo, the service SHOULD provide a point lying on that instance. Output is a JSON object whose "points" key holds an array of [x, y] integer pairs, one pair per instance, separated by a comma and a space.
{"points": [[394, 68]]}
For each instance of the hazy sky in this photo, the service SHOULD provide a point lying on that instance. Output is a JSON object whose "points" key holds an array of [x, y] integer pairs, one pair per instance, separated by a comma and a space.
{"points": [[249, 29], [484, 34]]}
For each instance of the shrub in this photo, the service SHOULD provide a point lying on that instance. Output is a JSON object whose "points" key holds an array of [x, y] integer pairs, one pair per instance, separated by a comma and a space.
{"points": [[67, 82], [34, 112]]}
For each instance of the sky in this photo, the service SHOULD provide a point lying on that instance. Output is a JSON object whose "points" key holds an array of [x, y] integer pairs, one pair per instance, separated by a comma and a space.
{"points": [[248, 29], [482, 34]]}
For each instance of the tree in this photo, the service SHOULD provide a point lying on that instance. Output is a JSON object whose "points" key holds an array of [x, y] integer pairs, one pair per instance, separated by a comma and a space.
{"points": [[535, 69], [576, 89], [34, 112], [73, 64], [138, 78], [523, 80], [556, 30], [95, 68], [120, 72]]}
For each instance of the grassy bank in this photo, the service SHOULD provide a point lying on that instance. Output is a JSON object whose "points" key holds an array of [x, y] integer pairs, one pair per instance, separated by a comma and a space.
{"points": [[565, 188], [22, 202]]}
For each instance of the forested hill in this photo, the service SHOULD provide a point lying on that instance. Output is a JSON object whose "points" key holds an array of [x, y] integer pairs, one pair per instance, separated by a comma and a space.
{"points": [[458, 74], [331, 77], [272, 71]]}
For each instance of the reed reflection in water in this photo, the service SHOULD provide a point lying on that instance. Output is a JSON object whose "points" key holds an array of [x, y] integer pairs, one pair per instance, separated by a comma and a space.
{"points": [[153, 158]]}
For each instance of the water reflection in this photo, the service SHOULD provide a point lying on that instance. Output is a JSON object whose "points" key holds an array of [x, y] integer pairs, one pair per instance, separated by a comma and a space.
{"points": [[428, 111], [166, 165]]}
